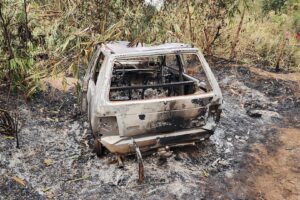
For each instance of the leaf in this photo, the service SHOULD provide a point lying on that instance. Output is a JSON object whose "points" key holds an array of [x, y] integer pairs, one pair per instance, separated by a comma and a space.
{"points": [[205, 173], [191, 8], [46, 189], [32, 90], [68, 40], [74, 157], [176, 28], [19, 180], [48, 162], [9, 137], [79, 179]]}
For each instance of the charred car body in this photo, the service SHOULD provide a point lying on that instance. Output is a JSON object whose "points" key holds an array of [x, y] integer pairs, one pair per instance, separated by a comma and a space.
{"points": [[156, 96]]}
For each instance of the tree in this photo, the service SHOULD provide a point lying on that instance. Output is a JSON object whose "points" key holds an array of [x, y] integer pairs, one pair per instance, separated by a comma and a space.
{"points": [[4, 23], [272, 5], [244, 6]]}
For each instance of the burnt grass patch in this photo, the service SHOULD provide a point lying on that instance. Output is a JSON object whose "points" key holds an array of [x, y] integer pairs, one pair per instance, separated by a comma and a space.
{"points": [[282, 98], [219, 168]]}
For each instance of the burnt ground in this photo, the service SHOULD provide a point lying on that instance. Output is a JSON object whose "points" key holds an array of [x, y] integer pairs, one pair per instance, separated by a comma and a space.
{"points": [[254, 153]]}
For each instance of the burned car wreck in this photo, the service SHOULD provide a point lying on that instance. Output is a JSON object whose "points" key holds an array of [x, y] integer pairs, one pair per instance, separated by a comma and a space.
{"points": [[149, 97]]}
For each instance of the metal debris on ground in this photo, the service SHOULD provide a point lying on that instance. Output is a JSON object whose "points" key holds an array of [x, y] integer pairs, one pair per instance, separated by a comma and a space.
{"points": [[140, 161]]}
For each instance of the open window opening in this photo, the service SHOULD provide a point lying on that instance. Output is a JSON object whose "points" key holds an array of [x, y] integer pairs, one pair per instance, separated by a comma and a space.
{"points": [[161, 76], [97, 67]]}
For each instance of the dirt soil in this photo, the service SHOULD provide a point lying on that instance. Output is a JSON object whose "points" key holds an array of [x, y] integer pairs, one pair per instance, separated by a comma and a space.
{"points": [[254, 153]]}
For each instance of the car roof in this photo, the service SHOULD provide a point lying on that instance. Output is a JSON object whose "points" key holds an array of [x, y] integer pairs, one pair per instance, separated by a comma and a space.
{"points": [[121, 47]]}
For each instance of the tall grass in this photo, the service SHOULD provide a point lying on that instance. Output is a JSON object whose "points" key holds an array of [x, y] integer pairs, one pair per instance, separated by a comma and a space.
{"points": [[64, 33]]}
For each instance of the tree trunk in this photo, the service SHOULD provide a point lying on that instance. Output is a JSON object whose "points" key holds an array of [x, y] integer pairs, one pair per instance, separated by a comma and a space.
{"points": [[190, 21], [6, 33], [26, 24], [279, 56], [236, 39], [211, 40]]}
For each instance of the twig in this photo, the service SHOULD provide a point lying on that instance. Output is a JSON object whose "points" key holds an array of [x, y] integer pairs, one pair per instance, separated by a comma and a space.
{"points": [[16, 122], [78, 179], [17, 132], [147, 184], [8, 94], [190, 21]]}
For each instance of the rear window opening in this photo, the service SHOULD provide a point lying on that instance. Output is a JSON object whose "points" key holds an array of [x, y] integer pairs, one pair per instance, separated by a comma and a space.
{"points": [[157, 76]]}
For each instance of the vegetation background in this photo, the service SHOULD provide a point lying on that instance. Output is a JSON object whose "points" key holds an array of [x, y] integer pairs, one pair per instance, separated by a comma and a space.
{"points": [[42, 38]]}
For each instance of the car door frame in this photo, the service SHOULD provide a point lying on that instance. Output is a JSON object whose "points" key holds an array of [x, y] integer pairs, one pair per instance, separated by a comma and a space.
{"points": [[91, 70]]}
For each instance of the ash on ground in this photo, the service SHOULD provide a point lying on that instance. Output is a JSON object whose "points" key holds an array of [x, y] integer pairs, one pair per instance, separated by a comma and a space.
{"points": [[56, 159]]}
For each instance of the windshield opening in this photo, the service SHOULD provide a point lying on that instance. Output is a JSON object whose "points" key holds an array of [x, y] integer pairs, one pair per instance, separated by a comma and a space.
{"points": [[159, 76]]}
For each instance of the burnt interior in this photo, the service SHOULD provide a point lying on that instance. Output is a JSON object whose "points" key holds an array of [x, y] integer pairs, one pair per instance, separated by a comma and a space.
{"points": [[157, 77]]}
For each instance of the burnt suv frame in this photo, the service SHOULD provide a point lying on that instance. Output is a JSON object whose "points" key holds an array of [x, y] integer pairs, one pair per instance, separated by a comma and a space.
{"points": [[152, 97]]}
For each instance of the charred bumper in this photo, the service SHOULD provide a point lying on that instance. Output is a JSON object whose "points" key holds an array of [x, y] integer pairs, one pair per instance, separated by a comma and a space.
{"points": [[124, 145]]}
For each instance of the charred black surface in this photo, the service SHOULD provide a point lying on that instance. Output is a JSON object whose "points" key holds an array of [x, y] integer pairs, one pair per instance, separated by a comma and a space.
{"points": [[279, 90], [175, 123], [142, 116], [164, 86], [184, 138], [170, 125], [202, 102], [268, 86]]}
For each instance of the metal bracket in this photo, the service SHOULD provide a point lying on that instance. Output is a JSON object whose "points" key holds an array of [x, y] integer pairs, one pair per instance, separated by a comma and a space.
{"points": [[140, 162]]}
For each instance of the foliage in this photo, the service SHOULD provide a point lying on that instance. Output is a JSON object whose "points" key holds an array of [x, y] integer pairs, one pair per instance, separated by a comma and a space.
{"points": [[52, 37], [16, 50], [272, 5]]}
